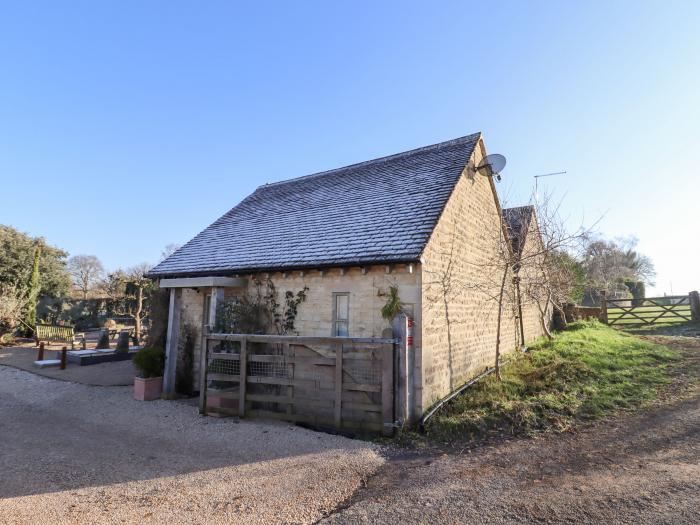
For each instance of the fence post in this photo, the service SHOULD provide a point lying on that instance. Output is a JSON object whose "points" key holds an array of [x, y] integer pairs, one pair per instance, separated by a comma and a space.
{"points": [[403, 388], [40, 357], [603, 307], [695, 306], [388, 390], [243, 376], [203, 365], [338, 385], [64, 350]]}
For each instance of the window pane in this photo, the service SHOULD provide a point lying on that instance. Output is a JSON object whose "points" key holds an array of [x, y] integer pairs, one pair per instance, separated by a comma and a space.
{"points": [[207, 308], [341, 329], [341, 307]]}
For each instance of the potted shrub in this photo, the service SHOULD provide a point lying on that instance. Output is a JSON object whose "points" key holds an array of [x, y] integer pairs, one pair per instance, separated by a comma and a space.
{"points": [[148, 383]]}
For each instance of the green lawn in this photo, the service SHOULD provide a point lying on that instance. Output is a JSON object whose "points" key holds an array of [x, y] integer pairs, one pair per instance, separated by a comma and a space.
{"points": [[584, 373]]}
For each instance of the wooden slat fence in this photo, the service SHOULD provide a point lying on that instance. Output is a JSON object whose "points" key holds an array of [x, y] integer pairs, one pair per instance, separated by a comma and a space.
{"points": [[328, 382], [651, 310]]}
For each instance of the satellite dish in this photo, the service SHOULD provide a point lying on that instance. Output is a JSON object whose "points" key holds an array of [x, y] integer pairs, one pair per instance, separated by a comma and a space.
{"points": [[492, 165]]}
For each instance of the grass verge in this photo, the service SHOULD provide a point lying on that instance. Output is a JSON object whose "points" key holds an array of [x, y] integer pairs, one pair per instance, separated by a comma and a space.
{"points": [[584, 373]]}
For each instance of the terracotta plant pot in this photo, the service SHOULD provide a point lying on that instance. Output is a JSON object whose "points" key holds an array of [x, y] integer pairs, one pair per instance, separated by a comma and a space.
{"points": [[147, 388], [215, 401]]}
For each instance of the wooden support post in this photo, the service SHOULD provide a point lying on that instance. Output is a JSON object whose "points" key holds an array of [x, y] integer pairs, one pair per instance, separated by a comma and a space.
{"points": [[243, 377], [286, 350], [64, 351], [603, 307], [695, 306], [338, 385], [172, 342], [40, 357], [388, 390], [404, 361]]}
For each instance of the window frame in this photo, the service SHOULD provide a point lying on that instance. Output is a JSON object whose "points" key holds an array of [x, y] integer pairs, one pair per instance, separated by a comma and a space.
{"points": [[335, 321]]}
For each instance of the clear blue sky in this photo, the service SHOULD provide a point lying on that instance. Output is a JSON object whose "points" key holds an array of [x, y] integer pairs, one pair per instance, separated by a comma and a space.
{"points": [[125, 126]]}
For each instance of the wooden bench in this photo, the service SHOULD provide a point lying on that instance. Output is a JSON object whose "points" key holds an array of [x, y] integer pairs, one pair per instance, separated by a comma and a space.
{"points": [[51, 333]]}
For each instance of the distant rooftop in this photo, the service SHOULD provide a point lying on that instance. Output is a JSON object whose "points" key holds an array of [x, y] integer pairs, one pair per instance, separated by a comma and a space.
{"points": [[378, 211]]}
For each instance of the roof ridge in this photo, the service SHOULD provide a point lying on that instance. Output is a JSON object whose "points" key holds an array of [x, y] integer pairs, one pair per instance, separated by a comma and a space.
{"points": [[523, 207], [386, 158]]}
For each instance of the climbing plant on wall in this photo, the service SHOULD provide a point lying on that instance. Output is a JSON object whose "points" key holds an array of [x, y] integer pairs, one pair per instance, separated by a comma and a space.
{"points": [[393, 305], [260, 311]]}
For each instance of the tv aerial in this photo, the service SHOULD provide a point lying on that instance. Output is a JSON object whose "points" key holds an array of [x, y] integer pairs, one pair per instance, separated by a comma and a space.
{"points": [[492, 165], [537, 178]]}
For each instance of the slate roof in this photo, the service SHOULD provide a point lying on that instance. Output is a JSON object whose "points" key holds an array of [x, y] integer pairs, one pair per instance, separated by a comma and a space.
{"points": [[518, 223], [379, 211]]}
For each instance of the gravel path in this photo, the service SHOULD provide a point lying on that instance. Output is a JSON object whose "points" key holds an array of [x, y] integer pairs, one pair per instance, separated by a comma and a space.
{"points": [[73, 453], [116, 373], [641, 468]]}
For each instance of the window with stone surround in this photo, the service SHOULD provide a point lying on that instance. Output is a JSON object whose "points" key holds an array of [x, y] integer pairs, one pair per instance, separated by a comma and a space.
{"points": [[341, 313]]}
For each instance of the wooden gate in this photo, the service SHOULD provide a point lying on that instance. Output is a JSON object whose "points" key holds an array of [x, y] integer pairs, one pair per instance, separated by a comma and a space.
{"points": [[651, 310], [331, 382]]}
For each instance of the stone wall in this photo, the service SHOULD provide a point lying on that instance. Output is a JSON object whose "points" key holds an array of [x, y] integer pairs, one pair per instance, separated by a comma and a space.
{"points": [[531, 282], [193, 315], [461, 275], [367, 291]]}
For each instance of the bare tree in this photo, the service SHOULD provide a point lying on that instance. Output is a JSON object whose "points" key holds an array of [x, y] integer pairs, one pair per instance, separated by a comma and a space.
{"points": [[609, 263], [128, 289], [546, 259], [480, 274], [87, 272]]}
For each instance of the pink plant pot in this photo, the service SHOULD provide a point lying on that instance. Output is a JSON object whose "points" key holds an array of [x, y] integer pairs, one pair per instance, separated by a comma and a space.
{"points": [[214, 401], [147, 389]]}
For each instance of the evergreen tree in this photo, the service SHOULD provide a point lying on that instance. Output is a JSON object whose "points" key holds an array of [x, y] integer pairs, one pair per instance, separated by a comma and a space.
{"points": [[34, 288]]}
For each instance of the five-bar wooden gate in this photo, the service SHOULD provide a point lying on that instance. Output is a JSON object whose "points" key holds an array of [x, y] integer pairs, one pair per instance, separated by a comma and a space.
{"points": [[651, 310], [331, 382]]}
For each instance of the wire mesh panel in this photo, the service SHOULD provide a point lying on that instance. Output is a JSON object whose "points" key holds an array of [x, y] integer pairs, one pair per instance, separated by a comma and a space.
{"points": [[224, 366], [366, 372], [277, 369], [326, 382]]}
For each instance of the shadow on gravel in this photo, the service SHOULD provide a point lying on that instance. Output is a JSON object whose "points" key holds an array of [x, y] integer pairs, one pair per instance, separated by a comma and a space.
{"points": [[59, 436]]}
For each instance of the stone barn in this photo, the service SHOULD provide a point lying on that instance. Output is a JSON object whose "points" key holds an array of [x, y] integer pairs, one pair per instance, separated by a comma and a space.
{"points": [[422, 228]]}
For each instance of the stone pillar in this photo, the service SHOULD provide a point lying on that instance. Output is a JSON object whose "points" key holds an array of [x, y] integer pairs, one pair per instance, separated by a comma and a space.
{"points": [[695, 306], [172, 342], [209, 322]]}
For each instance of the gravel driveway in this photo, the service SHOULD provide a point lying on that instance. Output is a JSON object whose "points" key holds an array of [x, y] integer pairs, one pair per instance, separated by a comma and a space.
{"points": [[72, 453], [638, 468]]}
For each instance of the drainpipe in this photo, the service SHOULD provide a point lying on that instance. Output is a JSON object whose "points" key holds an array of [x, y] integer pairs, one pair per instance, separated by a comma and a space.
{"points": [[449, 397]]}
